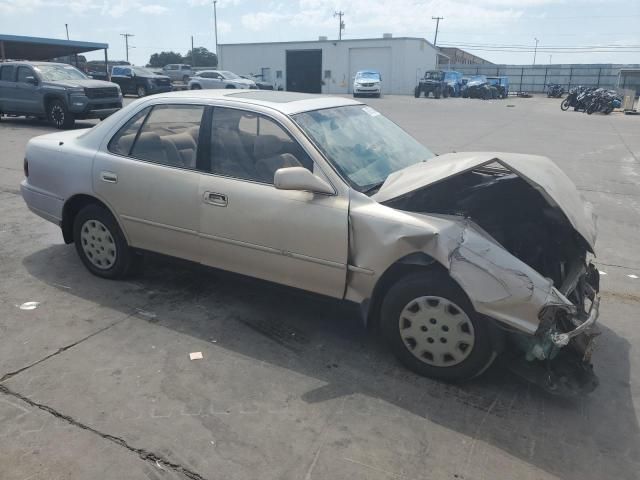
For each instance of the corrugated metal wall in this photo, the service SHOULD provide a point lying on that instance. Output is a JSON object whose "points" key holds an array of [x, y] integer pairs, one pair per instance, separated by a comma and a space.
{"points": [[533, 78]]}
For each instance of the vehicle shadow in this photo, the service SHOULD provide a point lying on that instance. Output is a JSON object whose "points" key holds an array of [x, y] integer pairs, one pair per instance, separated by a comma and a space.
{"points": [[594, 437], [33, 122]]}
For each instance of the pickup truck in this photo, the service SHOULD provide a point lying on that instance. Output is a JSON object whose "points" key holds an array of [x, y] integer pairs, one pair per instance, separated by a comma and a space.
{"points": [[56, 91]]}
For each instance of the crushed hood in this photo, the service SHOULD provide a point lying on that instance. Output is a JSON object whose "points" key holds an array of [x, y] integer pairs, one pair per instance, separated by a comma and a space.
{"points": [[540, 172]]}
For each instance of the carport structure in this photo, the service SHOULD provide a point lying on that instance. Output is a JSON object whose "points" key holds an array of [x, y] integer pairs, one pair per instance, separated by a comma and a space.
{"points": [[16, 47]]}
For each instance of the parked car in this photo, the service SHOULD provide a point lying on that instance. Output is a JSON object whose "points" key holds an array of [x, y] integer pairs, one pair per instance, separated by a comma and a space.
{"points": [[219, 79], [178, 72], [367, 82], [139, 81], [499, 86], [454, 82], [55, 91], [260, 83], [477, 87], [432, 82], [457, 258]]}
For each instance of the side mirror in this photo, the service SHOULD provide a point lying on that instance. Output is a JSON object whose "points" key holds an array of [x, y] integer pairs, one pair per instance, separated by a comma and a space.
{"points": [[299, 178], [31, 80]]}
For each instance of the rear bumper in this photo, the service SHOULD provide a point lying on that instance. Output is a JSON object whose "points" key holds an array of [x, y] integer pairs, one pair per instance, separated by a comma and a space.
{"points": [[42, 204]]}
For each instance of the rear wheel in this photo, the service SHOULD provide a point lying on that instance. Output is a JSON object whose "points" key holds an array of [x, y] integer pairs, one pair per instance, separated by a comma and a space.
{"points": [[58, 115], [185, 79], [433, 329], [416, 92], [437, 93], [100, 243], [196, 86], [230, 86]]}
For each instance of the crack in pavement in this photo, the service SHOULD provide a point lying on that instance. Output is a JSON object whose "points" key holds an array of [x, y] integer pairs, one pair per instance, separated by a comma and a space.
{"points": [[12, 191], [9, 375], [149, 457]]}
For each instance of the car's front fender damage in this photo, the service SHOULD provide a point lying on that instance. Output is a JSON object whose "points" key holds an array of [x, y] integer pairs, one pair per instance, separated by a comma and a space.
{"points": [[550, 325]]}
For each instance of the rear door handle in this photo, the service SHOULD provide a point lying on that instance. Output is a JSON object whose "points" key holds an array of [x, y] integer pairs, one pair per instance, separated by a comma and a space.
{"points": [[109, 177], [217, 199]]}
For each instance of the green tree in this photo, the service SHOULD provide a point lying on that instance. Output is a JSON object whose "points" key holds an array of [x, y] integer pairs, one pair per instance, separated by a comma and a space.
{"points": [[202, 57], [161, 59]]}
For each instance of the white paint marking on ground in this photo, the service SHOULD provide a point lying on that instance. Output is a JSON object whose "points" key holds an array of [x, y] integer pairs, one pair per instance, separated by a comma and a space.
{"points": [[601, 272], [632, 276], [196, 356], [28, 305]]}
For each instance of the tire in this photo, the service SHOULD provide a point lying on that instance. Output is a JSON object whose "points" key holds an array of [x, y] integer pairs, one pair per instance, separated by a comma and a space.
{"points": [[196, 86], [230, 86], [185, 79], [59, 116], [101, 244], [443, 310], [437, 93], [591, 108], [416, 92], [445, 93], [141, 91]]}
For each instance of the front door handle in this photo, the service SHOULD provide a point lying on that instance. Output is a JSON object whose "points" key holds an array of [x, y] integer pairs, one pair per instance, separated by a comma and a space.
{"points": [[108, 177], [217, 199]]}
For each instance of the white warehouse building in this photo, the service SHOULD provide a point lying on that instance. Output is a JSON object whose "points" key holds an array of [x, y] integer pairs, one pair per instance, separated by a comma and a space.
{"points": [[328, 66]]}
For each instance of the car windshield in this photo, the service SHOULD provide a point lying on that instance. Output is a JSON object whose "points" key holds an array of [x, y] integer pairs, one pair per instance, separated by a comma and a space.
{"points": [[368, 75], [54, 73], [433, 75], [228, 75], [363, 145], [143, 72]]}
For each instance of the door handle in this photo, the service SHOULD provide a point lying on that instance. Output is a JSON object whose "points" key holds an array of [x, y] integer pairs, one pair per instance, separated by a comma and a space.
{"points": [[109, 177], [217, 199]]}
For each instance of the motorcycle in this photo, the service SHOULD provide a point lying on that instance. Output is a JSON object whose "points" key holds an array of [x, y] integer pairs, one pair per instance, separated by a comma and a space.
{"points": [[603, 101], [555, 90]]}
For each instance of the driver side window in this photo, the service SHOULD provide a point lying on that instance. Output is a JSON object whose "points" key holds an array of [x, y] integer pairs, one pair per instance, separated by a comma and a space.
{"points": [[251, 146]]}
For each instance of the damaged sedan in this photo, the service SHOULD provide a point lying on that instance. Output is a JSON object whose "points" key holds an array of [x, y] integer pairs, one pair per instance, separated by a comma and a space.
{"points": [[458, 259]]}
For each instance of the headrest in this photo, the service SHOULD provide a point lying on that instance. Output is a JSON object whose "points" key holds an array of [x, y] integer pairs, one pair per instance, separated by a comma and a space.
{"points": [[266, 146]]}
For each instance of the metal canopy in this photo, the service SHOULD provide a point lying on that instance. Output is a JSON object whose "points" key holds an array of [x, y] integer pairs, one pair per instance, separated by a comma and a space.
{"points": [[34, 48]]}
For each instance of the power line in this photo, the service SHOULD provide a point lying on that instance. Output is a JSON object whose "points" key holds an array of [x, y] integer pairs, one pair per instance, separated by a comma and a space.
{"points": [[340, 14]]}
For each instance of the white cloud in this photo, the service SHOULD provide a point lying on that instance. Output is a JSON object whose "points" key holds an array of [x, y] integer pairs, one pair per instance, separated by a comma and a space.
{"points": [[154, 9]]}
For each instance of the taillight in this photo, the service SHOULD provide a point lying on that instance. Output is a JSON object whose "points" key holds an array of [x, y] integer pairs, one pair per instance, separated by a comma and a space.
{"points": [[25, 166]]}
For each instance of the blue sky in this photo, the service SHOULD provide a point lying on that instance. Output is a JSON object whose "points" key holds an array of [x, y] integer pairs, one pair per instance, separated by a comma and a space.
{"points": [[168, 24]]}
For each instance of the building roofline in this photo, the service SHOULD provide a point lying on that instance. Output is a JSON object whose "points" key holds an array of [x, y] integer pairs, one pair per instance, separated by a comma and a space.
{"points": [[54, 41], [328, 41]]}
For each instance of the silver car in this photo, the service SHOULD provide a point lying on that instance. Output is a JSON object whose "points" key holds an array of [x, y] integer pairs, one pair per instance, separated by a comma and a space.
{"points": [[456, 258], [219, 79]]}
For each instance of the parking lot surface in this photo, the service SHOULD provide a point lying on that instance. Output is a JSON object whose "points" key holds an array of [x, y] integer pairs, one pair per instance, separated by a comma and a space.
{"points": [[96, 382]]}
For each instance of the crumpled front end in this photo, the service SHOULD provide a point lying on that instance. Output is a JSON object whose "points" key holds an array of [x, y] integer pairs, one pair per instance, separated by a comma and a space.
{"points": [[514, 233]]}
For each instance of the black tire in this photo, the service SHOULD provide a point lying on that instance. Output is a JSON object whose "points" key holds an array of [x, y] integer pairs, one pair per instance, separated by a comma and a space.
{"points": [[591, 108], [445, 93], [230, 86], [185, 79], [437, 93], [59, 116], [120, 263], [435, 283], [141, 91], [416, 92], [196, 86]]}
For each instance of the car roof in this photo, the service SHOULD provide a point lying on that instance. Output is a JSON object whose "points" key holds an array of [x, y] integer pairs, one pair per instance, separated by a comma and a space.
{"points": [[35, 64], [288, 103]]}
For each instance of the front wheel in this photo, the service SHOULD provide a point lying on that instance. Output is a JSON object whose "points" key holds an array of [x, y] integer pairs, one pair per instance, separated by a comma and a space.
{"points": [[59, 115], [416, 92], [195, 86], [141, 91], [564, 106], [100, 243], [433, 329], [591, 108]]}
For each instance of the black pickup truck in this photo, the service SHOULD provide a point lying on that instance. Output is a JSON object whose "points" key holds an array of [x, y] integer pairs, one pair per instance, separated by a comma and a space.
{"points": [[55, 91]]}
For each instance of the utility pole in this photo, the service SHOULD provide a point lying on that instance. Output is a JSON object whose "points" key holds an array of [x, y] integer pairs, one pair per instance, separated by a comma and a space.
{"points": [[340, 14], [193, 55], [126, 42], [215, 26], [437, 19], [535, 50], [66, 26]]}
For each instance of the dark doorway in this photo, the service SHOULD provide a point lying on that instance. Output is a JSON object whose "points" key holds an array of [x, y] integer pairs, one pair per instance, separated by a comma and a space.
{"points": [[304, 71]]}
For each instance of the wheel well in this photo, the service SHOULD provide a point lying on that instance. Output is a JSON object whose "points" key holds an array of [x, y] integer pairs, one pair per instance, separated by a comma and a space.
{"points": [[71, 209], [49, 98], [412, 263]]}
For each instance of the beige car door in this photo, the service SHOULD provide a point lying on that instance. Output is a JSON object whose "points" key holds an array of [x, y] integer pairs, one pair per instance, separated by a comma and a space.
{"points": [[295, 238], [147, 175]]}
